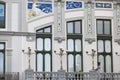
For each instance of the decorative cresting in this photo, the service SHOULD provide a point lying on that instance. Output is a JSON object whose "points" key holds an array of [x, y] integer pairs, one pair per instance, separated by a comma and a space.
{"points": [[59, 21], [89, 29], [73, 5], [38, 8]]}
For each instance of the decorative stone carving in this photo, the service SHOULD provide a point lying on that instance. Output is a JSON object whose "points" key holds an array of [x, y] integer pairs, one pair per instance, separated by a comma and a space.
{"points": [[60, 39], [73, 5], [89, 18], [118, 18], [89, 37], [90, 40], [118, 41]]}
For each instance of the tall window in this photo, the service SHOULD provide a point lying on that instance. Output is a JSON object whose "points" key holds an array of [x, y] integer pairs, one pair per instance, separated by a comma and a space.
{"points": [[2, 15], [44, 47], [74, 46], [104, 44], [2, 57]]}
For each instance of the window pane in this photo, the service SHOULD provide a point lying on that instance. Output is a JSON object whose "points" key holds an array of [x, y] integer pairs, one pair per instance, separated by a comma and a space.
{"points": [[108, 64], [101, 60], [1, 62], [70, 27], [100, 46], [78, 63], [107, 27], [78, 45], [39, 44], [40, 31], [2, 16], [47, 44], [70, 63], [39, 62], [77, 27], [47, 29], [47, 63], [107, 46], [99, 27], [70, 45], [1, 46]]}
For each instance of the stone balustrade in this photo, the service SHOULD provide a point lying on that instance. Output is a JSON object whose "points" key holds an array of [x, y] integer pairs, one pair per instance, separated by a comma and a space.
{"points": [[9, 76]]}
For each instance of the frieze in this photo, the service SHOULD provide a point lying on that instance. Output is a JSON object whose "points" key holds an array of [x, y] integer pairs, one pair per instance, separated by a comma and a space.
{"points": [[103, 5], [73, 5], [37, 8]]}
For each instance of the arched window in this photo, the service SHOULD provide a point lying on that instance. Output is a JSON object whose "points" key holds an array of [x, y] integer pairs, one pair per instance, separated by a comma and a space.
{"points": [[2, 15], [74, 46], [104, 44], [44, 47], [2, 57]]}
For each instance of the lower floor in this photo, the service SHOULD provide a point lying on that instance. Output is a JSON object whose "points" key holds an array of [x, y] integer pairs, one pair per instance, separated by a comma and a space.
{"points": [[83, 58]]}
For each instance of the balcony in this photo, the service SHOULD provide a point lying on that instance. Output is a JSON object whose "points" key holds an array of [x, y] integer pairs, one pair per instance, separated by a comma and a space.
{"points": [[75, 76], [9, 76]]}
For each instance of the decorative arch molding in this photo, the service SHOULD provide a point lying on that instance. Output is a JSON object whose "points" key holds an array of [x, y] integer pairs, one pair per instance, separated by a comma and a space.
{"points": [[38, 23], [43, 26]]}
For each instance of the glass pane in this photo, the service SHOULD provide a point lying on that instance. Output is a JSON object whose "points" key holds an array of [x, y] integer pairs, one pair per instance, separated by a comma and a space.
{"points": [[100, 46], [70, 63], [77, 45], [40, 31], [39, 62], [47, 29], [101, 60], [47, 63], [99, 27], [70, 45], [78, 63], [1, 62], [108, 64], [107, 27], [39, 44], [47, 44], [2, 16], [107, 46], [1, 46], [77, 27], [70, 27]]}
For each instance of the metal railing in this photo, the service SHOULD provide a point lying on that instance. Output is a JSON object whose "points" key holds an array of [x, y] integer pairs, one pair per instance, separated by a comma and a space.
{"points": [[75, 76], [9, 76]]}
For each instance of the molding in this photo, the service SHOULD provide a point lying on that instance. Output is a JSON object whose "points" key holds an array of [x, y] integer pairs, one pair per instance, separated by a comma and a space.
{"points": [[90, 40], [59, 39], [12, 33], [9, 52], [40, 17], [118, 41]]}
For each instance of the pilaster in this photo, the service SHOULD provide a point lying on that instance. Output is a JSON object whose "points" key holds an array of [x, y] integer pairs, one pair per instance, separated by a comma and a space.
{"points": [[90, 26], [117, 20]]}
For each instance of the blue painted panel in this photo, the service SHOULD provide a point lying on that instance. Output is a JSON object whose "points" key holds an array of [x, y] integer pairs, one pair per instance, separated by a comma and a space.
{"points": [[99, 5], [73, 5], [46, 8], [107, 5], [103, 5]]}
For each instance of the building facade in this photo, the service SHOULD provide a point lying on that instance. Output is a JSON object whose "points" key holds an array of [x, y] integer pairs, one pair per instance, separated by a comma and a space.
{"points": [[79, 27]]}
